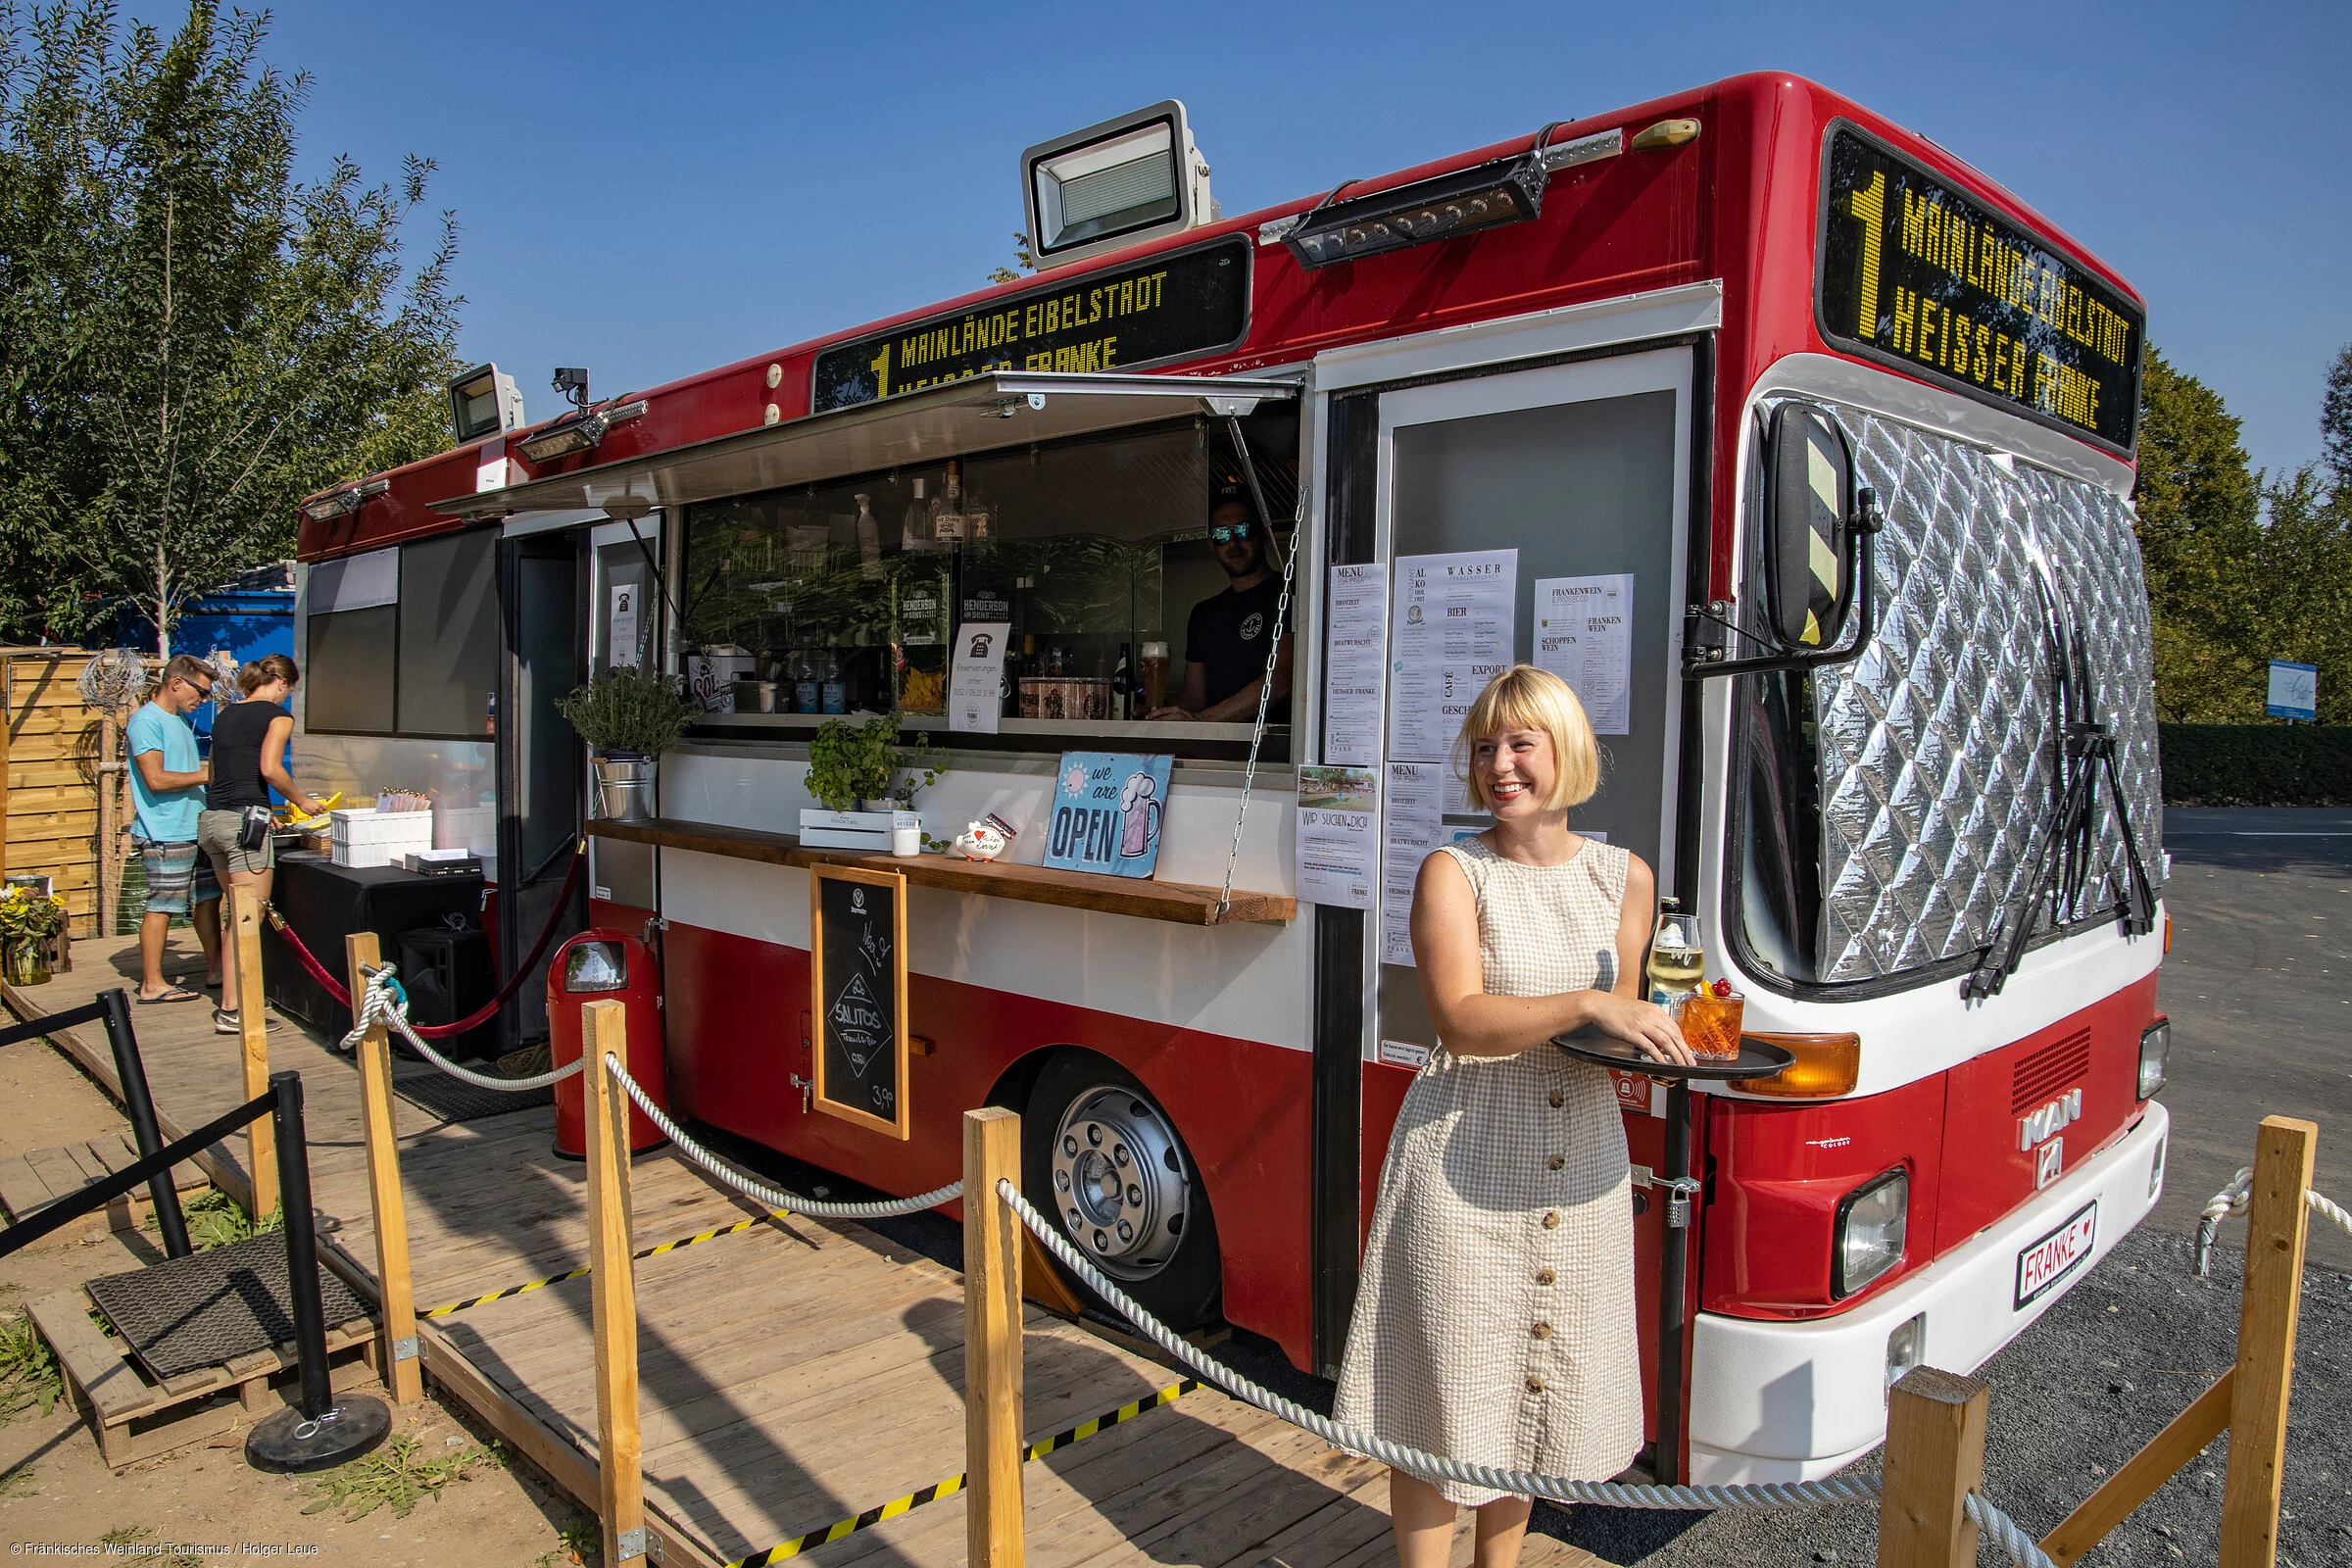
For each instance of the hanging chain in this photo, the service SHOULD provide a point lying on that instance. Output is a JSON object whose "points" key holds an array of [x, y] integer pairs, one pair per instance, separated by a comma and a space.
{"points": [[1265, 685]]}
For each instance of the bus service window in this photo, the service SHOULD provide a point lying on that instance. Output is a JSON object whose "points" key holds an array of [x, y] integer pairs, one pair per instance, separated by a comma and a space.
{"points": [[1228, 633]]}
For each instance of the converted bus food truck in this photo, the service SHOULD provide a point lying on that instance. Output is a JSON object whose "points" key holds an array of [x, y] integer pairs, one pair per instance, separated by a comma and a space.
{"points": [[1841, 429]]}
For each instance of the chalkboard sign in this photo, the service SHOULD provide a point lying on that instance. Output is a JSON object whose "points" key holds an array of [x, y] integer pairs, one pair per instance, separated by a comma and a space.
{"points": [[857, 961]]}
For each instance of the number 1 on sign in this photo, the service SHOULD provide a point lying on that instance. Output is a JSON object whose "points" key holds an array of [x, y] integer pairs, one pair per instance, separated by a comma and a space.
{"points": [[1868, 206], [880, 366]]}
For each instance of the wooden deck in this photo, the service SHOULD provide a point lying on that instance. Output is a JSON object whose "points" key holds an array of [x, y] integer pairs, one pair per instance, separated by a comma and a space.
{"points": [[794, 1374]]}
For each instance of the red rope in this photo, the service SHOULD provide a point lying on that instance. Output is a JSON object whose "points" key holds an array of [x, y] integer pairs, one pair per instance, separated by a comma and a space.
{"points": [[481, 1014]]}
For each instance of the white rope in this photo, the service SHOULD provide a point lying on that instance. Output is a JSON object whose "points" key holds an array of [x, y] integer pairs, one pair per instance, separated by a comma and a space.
{"points": [[2006, 1533], [377, 1004], [774, 1196], [1767, 1495], [1265, 684], [2234, 1200]]}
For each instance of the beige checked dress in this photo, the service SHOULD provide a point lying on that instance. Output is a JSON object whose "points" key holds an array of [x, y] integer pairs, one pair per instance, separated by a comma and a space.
{"points": [[1494, 1322]]}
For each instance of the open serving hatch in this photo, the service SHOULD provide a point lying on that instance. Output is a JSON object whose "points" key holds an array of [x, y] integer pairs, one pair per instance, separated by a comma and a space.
{"points": [[985, 413]]}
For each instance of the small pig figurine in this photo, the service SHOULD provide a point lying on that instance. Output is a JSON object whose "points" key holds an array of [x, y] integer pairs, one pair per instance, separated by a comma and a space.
{"points": [[981, 841]]}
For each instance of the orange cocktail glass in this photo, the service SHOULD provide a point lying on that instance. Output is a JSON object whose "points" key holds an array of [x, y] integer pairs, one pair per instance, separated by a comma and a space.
{"points": [[1711, 1023]]}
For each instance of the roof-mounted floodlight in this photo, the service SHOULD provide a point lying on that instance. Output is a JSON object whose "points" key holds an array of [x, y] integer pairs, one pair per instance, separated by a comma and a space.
{"points": [[484, 402], [344, 502], [578, 432], [1126, 180]]}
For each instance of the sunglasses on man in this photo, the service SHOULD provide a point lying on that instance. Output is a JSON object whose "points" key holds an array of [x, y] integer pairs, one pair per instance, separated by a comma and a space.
{"points": [[1226, 533], [205, 689]]}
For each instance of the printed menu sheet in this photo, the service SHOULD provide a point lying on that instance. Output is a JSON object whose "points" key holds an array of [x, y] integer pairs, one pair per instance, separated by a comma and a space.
{"points": [[1338, 833], [975, 685], [1410, 828], [1356, 613], [1585, 635], [1452, 621]]}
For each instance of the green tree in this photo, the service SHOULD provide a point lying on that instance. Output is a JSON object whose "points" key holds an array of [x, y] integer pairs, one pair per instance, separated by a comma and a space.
{"points": [[2335, 424], [193, 338], [2200, 515]]}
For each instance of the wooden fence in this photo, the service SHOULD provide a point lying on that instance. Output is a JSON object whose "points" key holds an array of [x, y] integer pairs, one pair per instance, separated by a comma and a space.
{"points": [[50, 775]]}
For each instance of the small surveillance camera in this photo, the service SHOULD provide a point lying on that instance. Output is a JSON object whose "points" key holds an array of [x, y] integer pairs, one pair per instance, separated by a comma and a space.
{"points": [[572, 382]]}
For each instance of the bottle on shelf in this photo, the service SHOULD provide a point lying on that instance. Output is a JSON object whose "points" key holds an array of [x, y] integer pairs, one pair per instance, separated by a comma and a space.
{"points": [[1677, 959], [834, 694], [807, 697], [914, 534], [947, 519], [1122, 686], [870, 539]]}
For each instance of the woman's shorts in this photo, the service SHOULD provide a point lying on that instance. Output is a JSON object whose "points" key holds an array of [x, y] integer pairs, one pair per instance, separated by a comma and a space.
{"points": [[179, 876], [217, 832]]}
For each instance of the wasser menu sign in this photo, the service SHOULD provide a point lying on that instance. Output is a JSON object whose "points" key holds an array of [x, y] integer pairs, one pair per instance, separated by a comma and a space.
{"points": [[1171, 307], [1915, 274]]}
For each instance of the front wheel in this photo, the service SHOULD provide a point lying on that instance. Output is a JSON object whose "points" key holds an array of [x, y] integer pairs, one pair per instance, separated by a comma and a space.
{"points": [[1098, 1155]]}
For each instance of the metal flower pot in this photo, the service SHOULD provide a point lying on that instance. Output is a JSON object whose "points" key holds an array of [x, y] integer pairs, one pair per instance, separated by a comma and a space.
{"points": [[624, 786]]}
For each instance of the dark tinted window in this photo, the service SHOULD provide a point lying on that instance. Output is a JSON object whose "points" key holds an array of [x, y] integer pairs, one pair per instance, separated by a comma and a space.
{"points": [[347, 677], [448, 634]]}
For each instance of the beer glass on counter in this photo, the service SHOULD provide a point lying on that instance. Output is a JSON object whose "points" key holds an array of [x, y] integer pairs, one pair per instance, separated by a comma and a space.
{"points": [[1155, 677]]}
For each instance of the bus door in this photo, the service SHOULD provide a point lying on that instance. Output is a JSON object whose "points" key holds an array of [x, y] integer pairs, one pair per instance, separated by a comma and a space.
{"points": [[627, 610], [1582, 473], [541, 767]]}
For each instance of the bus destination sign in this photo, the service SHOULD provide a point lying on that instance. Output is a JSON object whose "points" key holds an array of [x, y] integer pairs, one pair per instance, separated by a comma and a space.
{"points": [[1173, 306], [1915, 274]]}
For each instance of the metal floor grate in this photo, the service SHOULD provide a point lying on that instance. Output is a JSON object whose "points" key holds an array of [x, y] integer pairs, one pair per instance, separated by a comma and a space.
{"points": [[187, 1313], [453, 1099]]}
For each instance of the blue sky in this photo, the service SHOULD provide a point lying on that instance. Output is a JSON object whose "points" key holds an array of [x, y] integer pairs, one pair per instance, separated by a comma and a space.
{"points": [[653, 189]]}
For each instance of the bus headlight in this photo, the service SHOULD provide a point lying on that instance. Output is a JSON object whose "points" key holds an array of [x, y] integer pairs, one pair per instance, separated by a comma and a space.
{"points": [[2155, 1050], [1869, 1238]]}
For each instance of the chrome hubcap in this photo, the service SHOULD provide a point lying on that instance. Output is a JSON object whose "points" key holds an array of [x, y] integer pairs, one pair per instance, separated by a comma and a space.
{"points": [[1120, 1183]]}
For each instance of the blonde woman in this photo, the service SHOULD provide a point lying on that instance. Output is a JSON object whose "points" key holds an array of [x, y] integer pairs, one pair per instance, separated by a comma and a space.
{"points": [[1495, 1318]]}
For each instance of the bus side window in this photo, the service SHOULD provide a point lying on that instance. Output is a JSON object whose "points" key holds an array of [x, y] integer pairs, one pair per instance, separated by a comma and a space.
{"points": [[1779, 880]]}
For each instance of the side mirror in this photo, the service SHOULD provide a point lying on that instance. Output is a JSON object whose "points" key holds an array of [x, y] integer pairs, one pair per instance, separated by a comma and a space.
{"points": [[1810, 516]]}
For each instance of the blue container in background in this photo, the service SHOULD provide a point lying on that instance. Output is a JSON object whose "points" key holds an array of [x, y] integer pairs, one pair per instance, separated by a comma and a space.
{"points": [[250, 615]]}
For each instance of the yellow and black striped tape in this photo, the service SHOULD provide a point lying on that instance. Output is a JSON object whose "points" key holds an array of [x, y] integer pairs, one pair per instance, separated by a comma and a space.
{"points": [[955, 1483], [582, 1273]]}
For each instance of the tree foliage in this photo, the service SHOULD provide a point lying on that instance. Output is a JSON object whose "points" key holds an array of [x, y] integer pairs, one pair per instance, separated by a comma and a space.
{"points": [[2242, 568], [190, 338]]}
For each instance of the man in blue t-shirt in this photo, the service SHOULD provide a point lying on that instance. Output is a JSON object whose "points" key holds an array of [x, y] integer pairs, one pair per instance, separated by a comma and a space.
{"points": [[168, 776]]}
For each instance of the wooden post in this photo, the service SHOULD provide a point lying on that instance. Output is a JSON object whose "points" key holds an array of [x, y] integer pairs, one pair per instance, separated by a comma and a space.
{"points": [[1935, 1458], [109, 865], [2277, 1222], [619, 1445], [2183, 1439], [404, 1373], [992, 1340], [253, 1021]]}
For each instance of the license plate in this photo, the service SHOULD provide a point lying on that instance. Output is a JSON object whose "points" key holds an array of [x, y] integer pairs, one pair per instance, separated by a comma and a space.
{"points": [[2047, 1261]]}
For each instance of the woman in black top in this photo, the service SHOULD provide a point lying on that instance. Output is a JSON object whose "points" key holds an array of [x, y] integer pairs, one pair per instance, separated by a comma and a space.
{"points": [[249, 756]]}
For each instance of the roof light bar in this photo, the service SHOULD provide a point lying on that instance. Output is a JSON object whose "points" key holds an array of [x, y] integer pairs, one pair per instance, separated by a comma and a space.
{"points": [[344, 502], [576, 433], [1502, 191]]}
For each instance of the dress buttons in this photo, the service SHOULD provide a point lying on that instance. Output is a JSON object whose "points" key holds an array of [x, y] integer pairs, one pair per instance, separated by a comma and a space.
{"points": [[1556, 1161], [1551, 1219], [1542, 1330], [1534, 1385], [1558, 1099], [1544, 1276]]}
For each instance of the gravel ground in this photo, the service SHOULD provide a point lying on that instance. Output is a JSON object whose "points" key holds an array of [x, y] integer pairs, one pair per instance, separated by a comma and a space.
{"points": [[2119, 1355]]}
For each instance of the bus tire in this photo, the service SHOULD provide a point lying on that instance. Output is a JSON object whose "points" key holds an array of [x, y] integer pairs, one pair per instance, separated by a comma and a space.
{"points": [[1098, 1154]]}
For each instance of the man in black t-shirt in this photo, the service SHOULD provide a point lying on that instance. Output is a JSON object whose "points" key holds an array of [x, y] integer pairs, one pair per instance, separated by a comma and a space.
{"points": [[1229, 633]]}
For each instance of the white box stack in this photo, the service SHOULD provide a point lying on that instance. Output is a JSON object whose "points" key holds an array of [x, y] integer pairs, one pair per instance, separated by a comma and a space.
{"points": [[370, 837]]}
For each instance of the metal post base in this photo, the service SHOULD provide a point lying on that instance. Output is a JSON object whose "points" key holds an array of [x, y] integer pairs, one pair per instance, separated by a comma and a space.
{"points": [[287, 1443]]}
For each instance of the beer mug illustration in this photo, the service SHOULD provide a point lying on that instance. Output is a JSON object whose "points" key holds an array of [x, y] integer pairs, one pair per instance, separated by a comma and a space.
{"points": [[1142, 813]]}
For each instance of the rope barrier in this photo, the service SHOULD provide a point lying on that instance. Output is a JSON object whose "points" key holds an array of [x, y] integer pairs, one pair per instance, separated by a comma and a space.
{"points": [[2233, 1201], [580, 1273], [2006, 1533], [774, 1196], [1430, 1466], [481, 1016], [384, 1002]]}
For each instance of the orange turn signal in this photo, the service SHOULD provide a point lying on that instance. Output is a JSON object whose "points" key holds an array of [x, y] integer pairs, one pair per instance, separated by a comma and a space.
{"points": [[1825, 1066]]}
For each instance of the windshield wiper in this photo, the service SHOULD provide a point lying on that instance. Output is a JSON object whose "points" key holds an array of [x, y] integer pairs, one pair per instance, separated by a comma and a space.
{"points": [[2085, 754]]}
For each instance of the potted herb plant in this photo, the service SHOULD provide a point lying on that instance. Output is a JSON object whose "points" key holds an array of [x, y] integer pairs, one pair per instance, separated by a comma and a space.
{"points": [[28, 922], [629, 718], [855, 768]]}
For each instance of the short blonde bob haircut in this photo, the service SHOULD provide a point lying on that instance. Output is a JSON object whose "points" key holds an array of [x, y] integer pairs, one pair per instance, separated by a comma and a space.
{"points": [[1524, 697]]}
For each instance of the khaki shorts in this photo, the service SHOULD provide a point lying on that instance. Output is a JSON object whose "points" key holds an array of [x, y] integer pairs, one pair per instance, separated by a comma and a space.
{"points": [[216, 835]]}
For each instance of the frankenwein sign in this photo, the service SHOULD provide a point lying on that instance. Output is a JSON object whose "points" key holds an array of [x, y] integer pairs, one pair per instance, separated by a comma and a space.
{"points": [[1916, 275], [1175, 305]]}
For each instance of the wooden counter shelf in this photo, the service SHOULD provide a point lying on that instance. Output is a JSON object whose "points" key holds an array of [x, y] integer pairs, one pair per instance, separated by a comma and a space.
{"points": [[1147, 900]]}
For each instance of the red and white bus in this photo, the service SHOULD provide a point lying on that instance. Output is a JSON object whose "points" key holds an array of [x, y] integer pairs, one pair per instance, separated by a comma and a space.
{"points": [[1668, 348]]}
